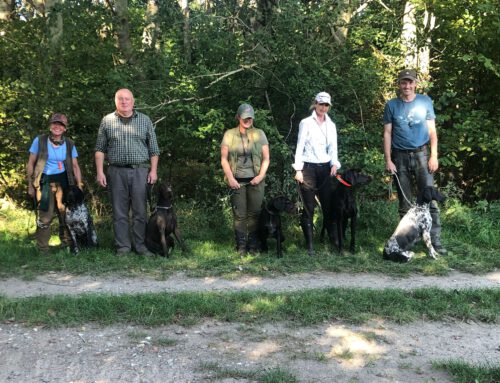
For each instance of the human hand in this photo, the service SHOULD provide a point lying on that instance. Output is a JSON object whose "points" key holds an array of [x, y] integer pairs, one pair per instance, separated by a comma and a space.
{"points": [[333, 170], [390, 167], [101, 180], [256, 180], [299, 176], [433, 164], [233, 184], [31, 191], [152, 177]]}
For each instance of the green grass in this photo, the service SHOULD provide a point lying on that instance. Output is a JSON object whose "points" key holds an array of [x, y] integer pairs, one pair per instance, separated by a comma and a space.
{"points": [[271, 375], [302, 308], [464, 372], [471, 235]]}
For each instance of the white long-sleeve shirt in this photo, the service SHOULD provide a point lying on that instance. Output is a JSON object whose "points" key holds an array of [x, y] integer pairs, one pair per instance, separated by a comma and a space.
{"points": [[316, 143]]}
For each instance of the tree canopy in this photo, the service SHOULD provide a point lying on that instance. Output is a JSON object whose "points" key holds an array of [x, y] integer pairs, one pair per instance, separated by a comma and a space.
{"points": [[190, 64]]}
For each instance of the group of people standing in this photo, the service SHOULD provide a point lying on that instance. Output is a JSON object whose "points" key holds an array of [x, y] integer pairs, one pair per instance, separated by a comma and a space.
{"points": [[126, 140]]}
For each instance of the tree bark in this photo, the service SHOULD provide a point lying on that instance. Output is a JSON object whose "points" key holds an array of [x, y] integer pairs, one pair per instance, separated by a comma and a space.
{"points": [[150, 33], [123, 31], [6, 9], [409, 36], [55, 20], [184, 4]]}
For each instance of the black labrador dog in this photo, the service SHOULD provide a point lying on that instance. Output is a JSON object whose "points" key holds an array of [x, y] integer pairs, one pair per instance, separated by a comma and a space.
{"points": [[78, 220], [415, 224], [162, 223], [270, 222], [344, 206]]}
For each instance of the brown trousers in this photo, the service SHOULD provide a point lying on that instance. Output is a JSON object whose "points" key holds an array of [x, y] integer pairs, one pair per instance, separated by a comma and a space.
{"points": [[45, 218]]}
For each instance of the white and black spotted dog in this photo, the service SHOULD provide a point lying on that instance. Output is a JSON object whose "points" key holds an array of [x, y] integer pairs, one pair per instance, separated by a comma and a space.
{"points": [[78, 220], [416, 224]]}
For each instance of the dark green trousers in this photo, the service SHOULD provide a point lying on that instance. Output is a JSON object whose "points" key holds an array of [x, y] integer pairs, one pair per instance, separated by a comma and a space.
{"points": [[246, 203]]}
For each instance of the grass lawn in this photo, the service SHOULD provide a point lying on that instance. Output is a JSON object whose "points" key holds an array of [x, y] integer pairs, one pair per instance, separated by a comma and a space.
{"points": [[471, 235]]}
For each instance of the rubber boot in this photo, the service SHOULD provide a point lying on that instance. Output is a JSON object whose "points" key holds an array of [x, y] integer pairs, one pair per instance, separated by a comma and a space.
{"points": [[436, 230], [253, 243], [241, 243], [42, 237], [307, 229]]}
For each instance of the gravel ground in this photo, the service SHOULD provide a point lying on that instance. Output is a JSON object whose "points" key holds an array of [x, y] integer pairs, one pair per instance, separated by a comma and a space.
{"points": [[378, 351]]}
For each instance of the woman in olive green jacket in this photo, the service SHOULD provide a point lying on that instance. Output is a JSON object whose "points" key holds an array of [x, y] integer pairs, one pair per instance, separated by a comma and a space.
{"points": [[245, 159]]}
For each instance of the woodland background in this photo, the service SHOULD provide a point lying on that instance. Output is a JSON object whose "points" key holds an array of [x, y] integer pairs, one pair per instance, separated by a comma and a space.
{"points": [[190, 63]]}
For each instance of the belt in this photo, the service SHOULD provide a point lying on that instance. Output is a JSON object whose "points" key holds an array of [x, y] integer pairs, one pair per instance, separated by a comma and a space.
{"points": [[316, 165], [131, 166], [416, 150]]}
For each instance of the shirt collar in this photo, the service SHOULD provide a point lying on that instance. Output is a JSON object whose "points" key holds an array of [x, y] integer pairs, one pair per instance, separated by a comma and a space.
{"points": [[315, 116], [134, 114]]}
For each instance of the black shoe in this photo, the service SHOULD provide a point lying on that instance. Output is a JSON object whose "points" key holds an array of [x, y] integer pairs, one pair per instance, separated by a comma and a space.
{"points": [[440, 249]]}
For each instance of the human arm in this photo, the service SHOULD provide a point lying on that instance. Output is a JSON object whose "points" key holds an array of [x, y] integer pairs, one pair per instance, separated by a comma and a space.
{"points": [[263, 166], [224, 160], [30, 168], [433, 159], [77, 172], [153, 172], [99, 165], [389, 165], [301, 142]]}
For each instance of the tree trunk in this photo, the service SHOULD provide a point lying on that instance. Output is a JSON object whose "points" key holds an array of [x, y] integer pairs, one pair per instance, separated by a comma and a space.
{"points": [[409, 36], [6, 9], [415, 57], [150, 33], [123, 31], [184, 4], [55, 20]]}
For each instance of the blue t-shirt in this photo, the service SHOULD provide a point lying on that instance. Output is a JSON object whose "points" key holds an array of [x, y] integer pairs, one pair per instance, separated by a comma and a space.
{"points": [[56, 156], [409, 121]]}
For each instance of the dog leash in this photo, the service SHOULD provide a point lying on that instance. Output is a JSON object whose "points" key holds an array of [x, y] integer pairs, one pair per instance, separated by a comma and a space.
{"points": [[232, 191], [401, 189], [342, 181]]}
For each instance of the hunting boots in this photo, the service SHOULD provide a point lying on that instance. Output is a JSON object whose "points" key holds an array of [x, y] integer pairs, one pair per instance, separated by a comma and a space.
{"points": [[253, 243], [436, 230], [307, 229], [241, 242]]}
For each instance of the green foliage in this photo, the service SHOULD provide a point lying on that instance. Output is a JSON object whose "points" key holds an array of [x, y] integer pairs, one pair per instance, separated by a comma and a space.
{"points": [[275, 57]]}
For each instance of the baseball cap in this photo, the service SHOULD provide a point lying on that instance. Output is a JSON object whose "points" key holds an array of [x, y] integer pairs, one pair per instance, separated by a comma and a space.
{"points": [[323, 98], [409, 74], [60, 118], [245, 111]]}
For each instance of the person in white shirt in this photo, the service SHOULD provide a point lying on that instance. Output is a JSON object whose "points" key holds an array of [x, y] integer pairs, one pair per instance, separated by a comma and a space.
{"points": [[316, 161]]}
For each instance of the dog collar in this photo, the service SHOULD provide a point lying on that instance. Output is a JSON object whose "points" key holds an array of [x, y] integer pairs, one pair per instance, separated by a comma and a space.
{"points": [[164, 207], [342, 181]]}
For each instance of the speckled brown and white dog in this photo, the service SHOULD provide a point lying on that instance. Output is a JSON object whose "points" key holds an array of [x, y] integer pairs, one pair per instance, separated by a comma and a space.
{"points": [[78, 220], [415, 224]]}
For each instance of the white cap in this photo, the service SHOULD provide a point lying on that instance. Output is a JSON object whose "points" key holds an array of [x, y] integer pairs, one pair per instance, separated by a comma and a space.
{"points": [[323, 98]]}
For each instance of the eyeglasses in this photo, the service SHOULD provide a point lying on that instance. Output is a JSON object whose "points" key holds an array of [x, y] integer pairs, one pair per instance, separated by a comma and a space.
{"points": [[248, 119], [324, 104]]}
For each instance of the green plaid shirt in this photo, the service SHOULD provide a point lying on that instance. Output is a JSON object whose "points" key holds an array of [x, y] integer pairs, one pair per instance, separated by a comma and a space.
{"points": [[130, 143]]}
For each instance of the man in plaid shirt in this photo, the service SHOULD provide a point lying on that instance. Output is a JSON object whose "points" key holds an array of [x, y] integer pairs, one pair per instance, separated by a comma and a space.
{"points": [[127, 140]]}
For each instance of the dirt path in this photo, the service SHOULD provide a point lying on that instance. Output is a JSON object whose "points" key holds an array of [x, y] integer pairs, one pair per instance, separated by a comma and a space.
{"points": [[334, 351], [59, 283]]}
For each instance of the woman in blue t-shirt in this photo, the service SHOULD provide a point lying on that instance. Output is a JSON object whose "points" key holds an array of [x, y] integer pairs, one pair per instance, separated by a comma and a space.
{"points": [[52, 167]]}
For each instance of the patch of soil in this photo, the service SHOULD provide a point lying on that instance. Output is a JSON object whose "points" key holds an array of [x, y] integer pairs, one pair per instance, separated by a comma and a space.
{"points": [[331, 352], [60, 283]]}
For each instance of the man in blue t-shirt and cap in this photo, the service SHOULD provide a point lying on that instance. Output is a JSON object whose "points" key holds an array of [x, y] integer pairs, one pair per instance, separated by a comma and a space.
{"points": [[410, 146]]}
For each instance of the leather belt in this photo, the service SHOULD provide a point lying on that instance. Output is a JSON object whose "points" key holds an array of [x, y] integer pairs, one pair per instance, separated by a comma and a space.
{"points": [[416, 150]]}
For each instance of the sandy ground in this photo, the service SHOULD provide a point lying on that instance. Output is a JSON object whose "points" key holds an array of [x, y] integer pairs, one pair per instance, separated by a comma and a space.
{"points": [[334, 351], [59, 283]]}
